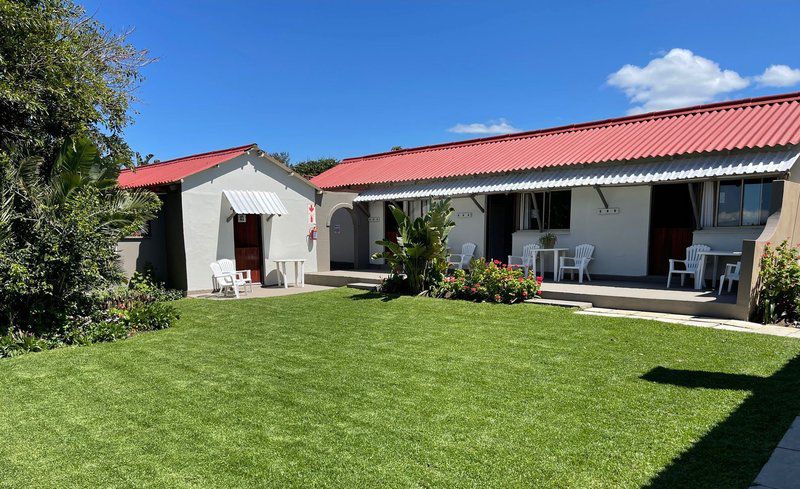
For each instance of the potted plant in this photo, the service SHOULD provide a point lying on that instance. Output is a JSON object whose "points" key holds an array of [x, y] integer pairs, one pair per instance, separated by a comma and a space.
{"points": [[548, 240]]}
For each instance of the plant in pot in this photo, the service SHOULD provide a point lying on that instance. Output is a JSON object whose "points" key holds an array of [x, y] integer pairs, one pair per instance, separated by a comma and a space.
{"points": [[548, 240]]}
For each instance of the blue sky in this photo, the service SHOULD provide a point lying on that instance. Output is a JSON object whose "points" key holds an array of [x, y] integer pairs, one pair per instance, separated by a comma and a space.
{"points": [[344, 78]]}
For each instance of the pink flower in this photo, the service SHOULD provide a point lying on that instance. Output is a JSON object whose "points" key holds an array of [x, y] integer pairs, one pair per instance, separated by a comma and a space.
{"points": [[497, 262], [497, 297], [474, 290], [524, 293], [521, 280]]}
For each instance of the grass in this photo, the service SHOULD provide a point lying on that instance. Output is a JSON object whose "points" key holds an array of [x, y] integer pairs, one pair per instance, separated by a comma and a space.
{"points": [[342, 388]]}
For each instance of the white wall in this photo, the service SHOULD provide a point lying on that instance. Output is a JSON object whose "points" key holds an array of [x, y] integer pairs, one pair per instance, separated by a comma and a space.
{"points": [[620, 240], [726, 238], [376, 228], [208, 235], [471, 228]]}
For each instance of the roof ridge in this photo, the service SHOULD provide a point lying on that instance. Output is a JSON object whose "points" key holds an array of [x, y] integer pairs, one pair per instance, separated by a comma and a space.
{"points": [[678, 111], [198, 155]]}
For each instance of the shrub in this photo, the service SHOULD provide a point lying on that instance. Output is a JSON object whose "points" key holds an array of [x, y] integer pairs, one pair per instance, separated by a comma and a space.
{"points": [[779, 285], [151, 317], [15, 343], [489, 281], [418, 260]]}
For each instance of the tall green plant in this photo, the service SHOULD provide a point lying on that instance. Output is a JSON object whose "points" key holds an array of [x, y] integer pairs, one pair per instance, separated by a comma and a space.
{"points": [[59, 227], [420, 253]]}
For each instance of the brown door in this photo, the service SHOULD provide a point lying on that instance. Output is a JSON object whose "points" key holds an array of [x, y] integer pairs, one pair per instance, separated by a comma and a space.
{"points": [[247, 244], [671, 226]]}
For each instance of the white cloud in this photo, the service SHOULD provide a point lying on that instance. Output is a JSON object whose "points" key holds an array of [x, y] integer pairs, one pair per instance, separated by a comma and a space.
{"points": [[499, 126], [778, 76], [679, 78]]}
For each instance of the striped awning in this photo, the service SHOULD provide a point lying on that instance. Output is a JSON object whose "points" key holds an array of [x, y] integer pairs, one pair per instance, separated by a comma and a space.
{"points": [[669, 170], [255, 202]]}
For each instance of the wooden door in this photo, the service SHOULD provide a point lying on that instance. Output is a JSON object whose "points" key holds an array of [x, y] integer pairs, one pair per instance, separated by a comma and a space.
{"points": [[247, 244], [671, 226]]}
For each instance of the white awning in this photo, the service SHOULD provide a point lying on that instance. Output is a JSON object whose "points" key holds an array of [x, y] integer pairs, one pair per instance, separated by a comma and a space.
{"points": [[672, 170], [255, 202]]}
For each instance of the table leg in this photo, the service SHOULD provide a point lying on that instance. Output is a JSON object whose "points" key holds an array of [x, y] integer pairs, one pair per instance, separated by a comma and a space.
{"points": [[555, 266], [302, 274], [285, 280], [714, 273], [296, 274]]}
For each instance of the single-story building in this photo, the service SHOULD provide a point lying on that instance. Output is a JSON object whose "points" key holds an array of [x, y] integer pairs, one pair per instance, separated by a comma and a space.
{"points": [[639, 188], [236, 203]]}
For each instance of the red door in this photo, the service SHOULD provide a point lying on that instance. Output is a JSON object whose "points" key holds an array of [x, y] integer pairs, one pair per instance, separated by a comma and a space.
{"points": [[247, 244]]}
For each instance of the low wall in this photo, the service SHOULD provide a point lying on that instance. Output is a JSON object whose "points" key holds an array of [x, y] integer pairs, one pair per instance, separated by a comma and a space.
{"points": [[783, 224]]}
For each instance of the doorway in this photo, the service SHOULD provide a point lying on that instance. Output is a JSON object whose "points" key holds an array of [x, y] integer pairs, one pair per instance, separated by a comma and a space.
{"points": [[390, 223], [672, 222], [343, 239], [247, 245], [500, 212]]}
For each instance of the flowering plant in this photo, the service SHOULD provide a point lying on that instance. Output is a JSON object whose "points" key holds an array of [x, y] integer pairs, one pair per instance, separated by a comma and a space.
{"points": [[490, 281], [779, 284]]}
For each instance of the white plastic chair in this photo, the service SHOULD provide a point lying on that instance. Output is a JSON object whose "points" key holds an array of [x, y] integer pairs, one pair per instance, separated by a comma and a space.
{"points": [[580, 262], [229, 266], [691, 264], [731, 273], [226, 280], [528, 259], [461, 260]]}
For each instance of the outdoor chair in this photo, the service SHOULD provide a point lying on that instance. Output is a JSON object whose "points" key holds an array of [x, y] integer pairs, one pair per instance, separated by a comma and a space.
{"points": [[579, 262], [229, 266], [461, 260], [226, 280], [528, 259], [731, 273], [691, 264]]}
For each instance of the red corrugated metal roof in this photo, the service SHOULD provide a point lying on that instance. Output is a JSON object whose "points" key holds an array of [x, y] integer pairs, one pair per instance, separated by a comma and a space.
{"points": [[740, 124], [174, 170]]}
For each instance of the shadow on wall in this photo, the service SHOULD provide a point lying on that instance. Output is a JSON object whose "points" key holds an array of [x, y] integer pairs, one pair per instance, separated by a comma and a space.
{"points": [[735, 450]]}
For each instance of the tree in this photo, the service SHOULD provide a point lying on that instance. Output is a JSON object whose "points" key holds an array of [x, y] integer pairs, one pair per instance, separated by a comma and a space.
{"points": [[282, 156], [312, 168], [396, 148], [63, 73], [59, 229]]}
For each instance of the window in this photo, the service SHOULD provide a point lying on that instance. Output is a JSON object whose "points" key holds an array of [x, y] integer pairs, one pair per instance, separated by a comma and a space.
{"points": [[743, 202], [547, 210], [416, 208]]}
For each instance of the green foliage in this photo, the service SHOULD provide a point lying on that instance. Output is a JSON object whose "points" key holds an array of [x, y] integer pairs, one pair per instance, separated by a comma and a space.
{"points": [[420, 253], [548, 240], [58, 251], [15, 343], [779, 285], [282, 156], [61, 73], [312, 168], [152, 316], [489, 281]]}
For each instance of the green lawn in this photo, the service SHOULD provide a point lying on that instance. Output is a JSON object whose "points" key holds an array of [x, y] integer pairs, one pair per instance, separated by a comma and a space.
{"points": [[343, 388]]}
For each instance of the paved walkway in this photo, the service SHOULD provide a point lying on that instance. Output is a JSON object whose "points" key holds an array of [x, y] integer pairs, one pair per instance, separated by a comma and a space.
{"points": [[259, 292], [699, 321], [782, 470]]}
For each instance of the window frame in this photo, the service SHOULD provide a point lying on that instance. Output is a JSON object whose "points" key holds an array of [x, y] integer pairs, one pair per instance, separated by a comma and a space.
{"points": [[742, 185], [543, 217]]}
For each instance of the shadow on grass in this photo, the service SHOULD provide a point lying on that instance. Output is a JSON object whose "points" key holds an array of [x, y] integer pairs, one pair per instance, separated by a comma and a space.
{"points": [[374, 296], [732, 453]]}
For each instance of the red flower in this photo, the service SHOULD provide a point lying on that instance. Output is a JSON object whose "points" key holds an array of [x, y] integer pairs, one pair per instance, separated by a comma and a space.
{"points": [[539, 278], [497, 262], [521, 280], [538, 292], [524, 293], [474, 289], [477, 285], [497, 297]]}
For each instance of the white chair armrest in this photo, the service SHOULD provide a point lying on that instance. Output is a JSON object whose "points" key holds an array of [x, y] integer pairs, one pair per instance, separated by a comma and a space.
{"points": [[563, 259], [455, 258], [245, 274], [515, 260]]}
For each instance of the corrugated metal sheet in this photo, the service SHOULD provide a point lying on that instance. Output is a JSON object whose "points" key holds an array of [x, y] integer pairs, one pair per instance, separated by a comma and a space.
{"points": [[766, 122], [679, 169], [255, 202], [174, 170]]}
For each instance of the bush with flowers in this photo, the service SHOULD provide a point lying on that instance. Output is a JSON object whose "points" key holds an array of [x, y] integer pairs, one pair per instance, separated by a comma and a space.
{"points": [[490, 281], [779, 285]]}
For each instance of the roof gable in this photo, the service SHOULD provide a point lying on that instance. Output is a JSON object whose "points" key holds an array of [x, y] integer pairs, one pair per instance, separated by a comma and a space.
{"points": [[738, 125]]}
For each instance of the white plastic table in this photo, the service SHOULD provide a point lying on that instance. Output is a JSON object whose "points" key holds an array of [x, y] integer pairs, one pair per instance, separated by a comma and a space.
{"points": [[299, 271], [699, 278], [556, 252]]}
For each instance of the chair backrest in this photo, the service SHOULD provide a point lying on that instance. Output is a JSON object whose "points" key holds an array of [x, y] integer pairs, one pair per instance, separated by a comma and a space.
{"points": [[227, 265], [736, 269], [530, 249], [584, 251], [693, 255], [219, 275], [468, 249]]}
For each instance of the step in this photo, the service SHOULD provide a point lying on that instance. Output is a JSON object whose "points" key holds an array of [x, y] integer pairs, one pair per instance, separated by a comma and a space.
{"points": [[363, 286], [340, 279], [560, 303]]}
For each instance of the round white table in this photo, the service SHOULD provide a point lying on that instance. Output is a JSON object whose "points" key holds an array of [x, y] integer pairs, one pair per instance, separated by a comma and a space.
{"points": [[299, 271]]}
